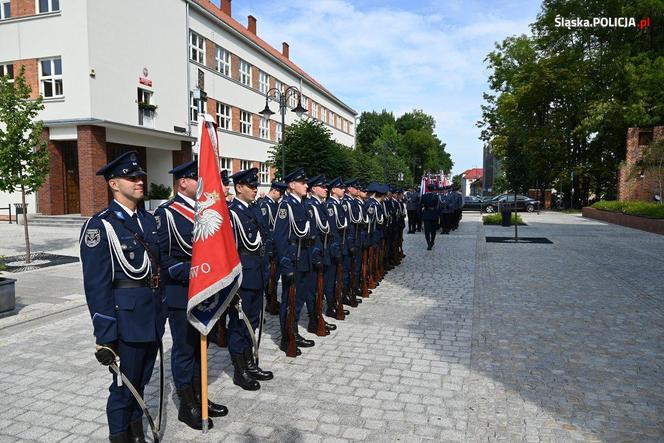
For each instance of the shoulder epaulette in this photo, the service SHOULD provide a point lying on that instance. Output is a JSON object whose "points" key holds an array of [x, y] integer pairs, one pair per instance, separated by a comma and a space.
{"points": [[102, 214]]}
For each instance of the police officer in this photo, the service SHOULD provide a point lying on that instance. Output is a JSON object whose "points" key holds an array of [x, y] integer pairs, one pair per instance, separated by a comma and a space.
{"points": [[329, 245], [296, 251], [412, 206], [376, 216], [355, 212], [430, 215], [268, 206], [458, 207], [447, 204], [175, 223], [249, 234], [120, 256]]}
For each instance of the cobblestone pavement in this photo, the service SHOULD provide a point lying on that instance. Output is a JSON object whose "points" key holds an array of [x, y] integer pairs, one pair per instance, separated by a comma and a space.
{"points": [[468, 342]]}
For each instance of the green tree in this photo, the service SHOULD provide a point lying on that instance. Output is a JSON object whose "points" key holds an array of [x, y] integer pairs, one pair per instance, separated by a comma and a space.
{"points": [[416, 119], [23, 153], [370, 126], [456, 181]]}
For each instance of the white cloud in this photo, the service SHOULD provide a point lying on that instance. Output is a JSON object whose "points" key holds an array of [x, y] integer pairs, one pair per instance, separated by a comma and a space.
{"points": [[397, 59]]}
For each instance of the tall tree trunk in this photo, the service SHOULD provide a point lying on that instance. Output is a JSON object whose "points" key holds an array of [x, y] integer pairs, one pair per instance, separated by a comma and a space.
{"points": [[25, 225]]}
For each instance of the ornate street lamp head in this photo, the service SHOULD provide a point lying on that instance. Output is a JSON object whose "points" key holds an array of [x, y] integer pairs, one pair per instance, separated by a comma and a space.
{"points": [[266, 112], [299, 110]]}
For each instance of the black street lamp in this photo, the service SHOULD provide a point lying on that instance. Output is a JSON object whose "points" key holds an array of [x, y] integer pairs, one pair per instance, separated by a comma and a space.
{"points": [[281, 97]]}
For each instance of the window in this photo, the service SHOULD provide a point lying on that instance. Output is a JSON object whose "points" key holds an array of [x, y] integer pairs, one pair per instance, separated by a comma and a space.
{"points": [[7, 69], [245, 73], [335, 119], [245, 122], [223, 59], [265, 128], [196, 47], [279, 132], [314, 110], [50, 72], [5, 9], [305, 102], [263, 173], [292, 99], [227, 164], [145, 108], [263, 82], [244, 165], [193, 107], [279, 86], [224, 116], [327, 116], [49, 6]]}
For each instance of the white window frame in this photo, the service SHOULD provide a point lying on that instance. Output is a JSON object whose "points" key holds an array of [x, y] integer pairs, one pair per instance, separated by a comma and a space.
{"points": [[314, 110], [265, 128], [4, 71], [263, 82], [305, 102], [227, 164], [193, 107], [4, 3], [224, 116], [145, 116], [196, 47], [292, 99], [52, 6], [245, 125], [263, 173], [279, 86], [245, 164], [279, 131], [223, 61], [245, 72], [53, 78]]}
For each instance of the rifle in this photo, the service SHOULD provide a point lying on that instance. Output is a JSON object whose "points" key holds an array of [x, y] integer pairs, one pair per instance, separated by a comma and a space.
{"points": [[321, 330], [338, 290], [365, 283], [291, 349], [353, 295], [376, 266], [370, 266], [272, 303], [221, 338]]}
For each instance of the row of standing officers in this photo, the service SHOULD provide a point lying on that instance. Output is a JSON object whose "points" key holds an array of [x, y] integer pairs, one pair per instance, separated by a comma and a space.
{"points": [[440, 206], [329, 241]]}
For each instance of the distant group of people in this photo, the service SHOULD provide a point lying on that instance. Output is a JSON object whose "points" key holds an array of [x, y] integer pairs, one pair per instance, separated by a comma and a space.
{"points": [[440, 206]]}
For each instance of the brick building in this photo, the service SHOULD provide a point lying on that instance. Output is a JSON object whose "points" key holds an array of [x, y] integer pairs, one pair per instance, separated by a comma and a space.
{"points": [[117, 76], [642, 186]]}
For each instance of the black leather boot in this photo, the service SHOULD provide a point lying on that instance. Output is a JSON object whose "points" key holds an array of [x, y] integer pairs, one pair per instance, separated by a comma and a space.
{"points": [[241, 377], [136, 434], [252, 368], [330, 326], [302, 342], [284, 344], [190, 411], [214, 409], [122, 437]]}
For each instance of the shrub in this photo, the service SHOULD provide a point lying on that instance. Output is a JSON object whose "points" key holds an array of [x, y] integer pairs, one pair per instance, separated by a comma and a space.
{"points": [[497, 219], [2, 263], [159, 192], [638, 208]]}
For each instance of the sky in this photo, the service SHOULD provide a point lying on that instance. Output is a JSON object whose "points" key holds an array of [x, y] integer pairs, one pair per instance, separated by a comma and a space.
{"points": [[399, 55]]}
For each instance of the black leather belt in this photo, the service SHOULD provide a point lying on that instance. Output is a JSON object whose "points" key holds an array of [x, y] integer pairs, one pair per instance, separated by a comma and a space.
{"points": [[260, 252], [126, 284], [306, 242]]}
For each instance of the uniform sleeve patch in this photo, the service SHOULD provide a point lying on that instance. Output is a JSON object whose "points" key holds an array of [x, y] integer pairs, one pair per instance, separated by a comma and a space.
{"points": [[92, 237], [282, 213], [264, 211], [371, 210], [330, 211]]}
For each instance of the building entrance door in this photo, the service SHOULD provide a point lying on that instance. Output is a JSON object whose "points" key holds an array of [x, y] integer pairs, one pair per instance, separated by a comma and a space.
{"points": [[72, 193]]}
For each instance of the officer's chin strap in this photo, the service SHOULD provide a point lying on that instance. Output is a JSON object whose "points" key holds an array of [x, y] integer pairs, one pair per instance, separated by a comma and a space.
{"points": [[115, 366]]}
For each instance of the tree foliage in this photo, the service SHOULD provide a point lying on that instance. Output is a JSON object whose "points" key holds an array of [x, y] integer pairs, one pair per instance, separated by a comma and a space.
{"points": [[562, 98]]}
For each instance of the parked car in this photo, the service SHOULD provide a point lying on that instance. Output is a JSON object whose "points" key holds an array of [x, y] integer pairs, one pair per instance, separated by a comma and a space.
{"points": [[523, 203], [473, 203]]}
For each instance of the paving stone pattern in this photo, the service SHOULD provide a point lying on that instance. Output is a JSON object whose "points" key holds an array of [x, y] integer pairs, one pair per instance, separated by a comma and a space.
{"points": [[468, 342]]}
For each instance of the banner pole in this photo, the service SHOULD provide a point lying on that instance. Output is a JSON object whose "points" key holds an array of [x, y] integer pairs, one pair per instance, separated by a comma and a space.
{"points": [[204, 384]]}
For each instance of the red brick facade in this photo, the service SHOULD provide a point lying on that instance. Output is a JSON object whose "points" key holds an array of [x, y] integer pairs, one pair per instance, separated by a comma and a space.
{"points": [[51, 194], [638, 188], [21, 8], [92, 155]]}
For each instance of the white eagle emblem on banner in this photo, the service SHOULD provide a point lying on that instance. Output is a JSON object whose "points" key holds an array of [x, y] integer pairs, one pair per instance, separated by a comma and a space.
{"points": [[207, 220]]}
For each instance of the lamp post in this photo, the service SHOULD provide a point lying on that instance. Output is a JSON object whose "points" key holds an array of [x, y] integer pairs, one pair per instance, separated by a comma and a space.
{"points": [[281, 97]]}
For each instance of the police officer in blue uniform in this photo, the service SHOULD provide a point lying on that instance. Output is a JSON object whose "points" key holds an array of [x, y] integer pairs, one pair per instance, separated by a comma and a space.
{"points": [[120, 256], [245, 313], [329, 245], [447, 203], [343, 237], [355, 213], [430, 215], [175, 223], [268, 206], [296, 250]]}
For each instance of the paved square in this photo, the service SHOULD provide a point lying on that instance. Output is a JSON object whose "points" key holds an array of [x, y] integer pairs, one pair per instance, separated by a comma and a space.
{"points": [[468, 342]]}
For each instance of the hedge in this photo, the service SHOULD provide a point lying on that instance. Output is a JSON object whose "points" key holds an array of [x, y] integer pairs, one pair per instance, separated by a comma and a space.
{"points": [[497, 219], [638, 208]]}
